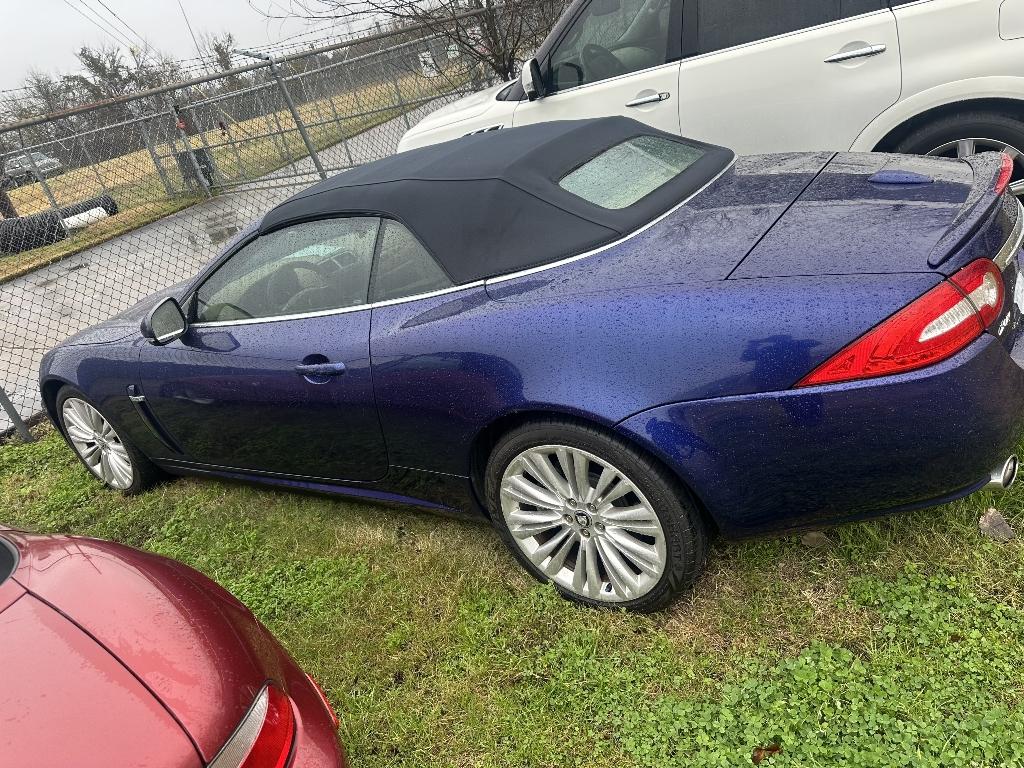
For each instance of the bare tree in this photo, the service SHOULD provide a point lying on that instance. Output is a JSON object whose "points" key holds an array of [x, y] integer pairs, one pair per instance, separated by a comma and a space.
{"points": [[497, 34]]}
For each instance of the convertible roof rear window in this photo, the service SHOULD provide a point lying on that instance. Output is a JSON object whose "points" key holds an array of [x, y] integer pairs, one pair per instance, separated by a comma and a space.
{"points": [[492, 203], [8, 559], [626, 173]]}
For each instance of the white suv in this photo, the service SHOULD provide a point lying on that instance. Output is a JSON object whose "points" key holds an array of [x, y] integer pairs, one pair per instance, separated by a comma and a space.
{"points": [[943, 77]]}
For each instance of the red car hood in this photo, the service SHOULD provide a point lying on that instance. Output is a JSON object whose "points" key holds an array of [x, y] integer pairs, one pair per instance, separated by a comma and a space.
{"points": [[66, 701], [199, 650]]}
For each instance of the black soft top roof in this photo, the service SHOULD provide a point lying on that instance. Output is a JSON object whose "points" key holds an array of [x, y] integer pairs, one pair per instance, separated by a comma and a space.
{"points": [[490, 204]]}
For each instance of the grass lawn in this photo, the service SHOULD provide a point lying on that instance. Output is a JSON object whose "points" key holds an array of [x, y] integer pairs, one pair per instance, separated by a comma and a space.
{"points": [[901, 644]]}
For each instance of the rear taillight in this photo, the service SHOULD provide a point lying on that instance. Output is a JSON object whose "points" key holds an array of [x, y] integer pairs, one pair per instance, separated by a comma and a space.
{"points": [[1005, 174], [930, 329], [324, 700], [264, 737]]}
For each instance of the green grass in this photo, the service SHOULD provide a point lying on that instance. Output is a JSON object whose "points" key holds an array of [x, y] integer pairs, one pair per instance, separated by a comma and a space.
{"points": [[901, 644]]}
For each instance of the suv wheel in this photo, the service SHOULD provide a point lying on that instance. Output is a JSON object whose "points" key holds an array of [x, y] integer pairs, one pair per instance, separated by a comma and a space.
{"points": [[967, 133]]}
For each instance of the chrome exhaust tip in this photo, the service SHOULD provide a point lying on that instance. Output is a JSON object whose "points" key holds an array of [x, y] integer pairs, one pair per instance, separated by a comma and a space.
{"points": [[1006, 475]]}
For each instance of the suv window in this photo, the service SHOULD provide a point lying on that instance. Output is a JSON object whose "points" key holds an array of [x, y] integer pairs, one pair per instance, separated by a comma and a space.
{"points": [[727, 23], [614, 37], [311, 267], [404, 267], [628, 172]]}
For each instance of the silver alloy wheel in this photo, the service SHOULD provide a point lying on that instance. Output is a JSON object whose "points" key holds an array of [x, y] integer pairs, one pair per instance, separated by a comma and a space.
{"points": [[966, 147], [583, 523], [97, 443]]}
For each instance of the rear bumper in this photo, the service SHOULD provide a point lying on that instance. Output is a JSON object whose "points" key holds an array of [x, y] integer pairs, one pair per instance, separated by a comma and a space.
{"points": [[787, 459], [316, 739]]}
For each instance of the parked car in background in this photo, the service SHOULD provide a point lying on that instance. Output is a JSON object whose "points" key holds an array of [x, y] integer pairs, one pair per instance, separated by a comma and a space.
{"points": [[609, 340], [116, 657], [24, 169], [939, 77]]}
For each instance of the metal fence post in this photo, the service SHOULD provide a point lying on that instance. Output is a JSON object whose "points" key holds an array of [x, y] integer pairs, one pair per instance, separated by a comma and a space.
{"points": [[200, 176], [209, 153], [39, 176], [401, 101], [147, 137], [298, 120], [341, 127], [291, 106], [92, 164], [238, 155], [19, 426], [278, 137]]}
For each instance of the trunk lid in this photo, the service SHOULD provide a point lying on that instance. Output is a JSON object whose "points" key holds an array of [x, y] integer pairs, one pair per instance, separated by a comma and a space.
{"points": [[66, 701], [886, 214], [192, 644]]}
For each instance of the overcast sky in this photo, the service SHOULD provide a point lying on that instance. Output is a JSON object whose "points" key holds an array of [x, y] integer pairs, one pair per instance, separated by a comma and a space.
{"points": [[44, 34]]}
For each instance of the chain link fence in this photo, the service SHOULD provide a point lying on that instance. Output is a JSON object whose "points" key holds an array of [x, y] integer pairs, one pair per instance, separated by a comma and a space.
{"points": [[105, 205]]}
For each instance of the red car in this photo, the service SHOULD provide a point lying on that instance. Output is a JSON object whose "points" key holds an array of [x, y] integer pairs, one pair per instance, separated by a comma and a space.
{"points": [[114, 657]]}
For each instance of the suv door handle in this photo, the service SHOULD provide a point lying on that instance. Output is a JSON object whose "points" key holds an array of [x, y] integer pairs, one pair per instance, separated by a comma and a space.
{"points": [[654, 98], [320, 369], [858, 53]]}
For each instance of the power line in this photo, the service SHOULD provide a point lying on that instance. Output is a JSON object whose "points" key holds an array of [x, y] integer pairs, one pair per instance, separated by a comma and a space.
{"points": [[124, 23], [109, 32], [103, 24], [188, 24]]}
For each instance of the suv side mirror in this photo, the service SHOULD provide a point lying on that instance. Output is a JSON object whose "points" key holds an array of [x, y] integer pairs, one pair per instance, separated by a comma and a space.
{"points": [[533, 83], [165, 322]]}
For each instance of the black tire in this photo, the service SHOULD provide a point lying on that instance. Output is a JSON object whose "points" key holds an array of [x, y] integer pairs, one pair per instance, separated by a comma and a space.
{"points": [[995, 126], [26, 233], [144, 473], [686, 535]]}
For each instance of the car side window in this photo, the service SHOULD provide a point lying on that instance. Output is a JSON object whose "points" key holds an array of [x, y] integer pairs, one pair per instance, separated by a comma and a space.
{"points": [[727, 23], [614, 37], [310, 267], [403, 266]]}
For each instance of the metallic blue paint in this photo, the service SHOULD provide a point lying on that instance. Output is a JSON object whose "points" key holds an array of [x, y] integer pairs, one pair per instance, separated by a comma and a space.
{"points": [[685, 339]]}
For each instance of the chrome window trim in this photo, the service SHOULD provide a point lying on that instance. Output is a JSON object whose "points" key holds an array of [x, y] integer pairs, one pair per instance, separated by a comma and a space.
{"points": [[341, 311], [783, 35], [1013, 243], [466, 286], [644, 228], [616, 78]]}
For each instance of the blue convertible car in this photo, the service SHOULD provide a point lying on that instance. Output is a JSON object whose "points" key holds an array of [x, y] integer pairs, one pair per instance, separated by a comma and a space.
{"points": [[612, 342]]}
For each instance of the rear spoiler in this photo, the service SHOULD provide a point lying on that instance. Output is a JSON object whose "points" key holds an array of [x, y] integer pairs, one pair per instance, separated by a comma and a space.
{"points": [[979, 206]]}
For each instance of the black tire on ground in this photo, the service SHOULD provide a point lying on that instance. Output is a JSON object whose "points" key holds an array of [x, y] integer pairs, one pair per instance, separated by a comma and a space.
{"points": [[963, 125], [145, 474], [26, 233], [685, 531]]}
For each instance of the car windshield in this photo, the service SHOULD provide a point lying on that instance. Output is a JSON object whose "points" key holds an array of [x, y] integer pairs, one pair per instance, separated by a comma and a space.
{"points": [[626, 173]]}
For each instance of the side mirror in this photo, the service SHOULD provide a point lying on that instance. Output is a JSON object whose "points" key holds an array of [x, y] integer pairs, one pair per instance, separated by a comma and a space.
{"points": [[165, 322], [533, 83]]}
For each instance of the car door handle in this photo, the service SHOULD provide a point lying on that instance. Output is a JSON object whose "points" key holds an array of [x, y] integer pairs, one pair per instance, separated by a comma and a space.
{"points": [[857, 53], [654, 98], [320, 369]]}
